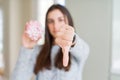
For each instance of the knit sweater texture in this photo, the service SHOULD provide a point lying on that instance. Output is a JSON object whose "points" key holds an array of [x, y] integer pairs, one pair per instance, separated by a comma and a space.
{"points": [[27, 58]]}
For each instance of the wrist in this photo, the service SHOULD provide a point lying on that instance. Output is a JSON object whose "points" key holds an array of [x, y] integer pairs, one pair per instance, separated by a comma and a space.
{"points": [[73, 41]]}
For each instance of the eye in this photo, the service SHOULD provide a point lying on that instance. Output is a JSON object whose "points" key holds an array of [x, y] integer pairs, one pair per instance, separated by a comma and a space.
{"points": [[61, 19], [50, 21]]}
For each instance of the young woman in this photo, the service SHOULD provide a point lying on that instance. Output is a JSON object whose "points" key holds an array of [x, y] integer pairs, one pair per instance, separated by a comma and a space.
{"points": [[46, 61]]}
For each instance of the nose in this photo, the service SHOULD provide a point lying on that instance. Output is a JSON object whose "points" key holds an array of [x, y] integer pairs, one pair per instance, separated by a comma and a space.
{"points": [[56, 26]]}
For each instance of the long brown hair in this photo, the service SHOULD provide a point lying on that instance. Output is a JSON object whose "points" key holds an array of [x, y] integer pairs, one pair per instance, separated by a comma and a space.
{"points": [[43, 60]]}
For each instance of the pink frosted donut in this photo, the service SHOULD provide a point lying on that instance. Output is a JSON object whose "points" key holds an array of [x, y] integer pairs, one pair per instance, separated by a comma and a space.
{"points": [[34, 30]]}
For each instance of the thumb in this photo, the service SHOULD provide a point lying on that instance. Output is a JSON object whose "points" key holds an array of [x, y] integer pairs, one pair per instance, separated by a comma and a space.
{"points": [[65, 55]]}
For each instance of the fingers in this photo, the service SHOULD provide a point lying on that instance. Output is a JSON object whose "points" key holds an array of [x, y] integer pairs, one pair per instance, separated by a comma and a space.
{"points": [[62, 43], [65, 28], [27, 42], [66, 32], [68, 37], [26, 37]]}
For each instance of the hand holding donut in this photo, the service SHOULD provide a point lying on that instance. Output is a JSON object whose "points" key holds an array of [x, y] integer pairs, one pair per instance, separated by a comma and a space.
{"points": [[33, 32]]}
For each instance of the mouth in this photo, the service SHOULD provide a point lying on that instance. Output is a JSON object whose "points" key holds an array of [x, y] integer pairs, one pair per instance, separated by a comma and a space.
{"points": [[56, 32]]}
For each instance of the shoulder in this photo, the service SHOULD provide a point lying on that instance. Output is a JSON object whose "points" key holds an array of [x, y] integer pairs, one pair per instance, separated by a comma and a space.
{"points": [[80, 50], [81, 42]]}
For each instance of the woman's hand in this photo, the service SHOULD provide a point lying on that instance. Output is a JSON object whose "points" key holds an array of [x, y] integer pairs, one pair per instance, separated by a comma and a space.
{"points": [[28, 42], [65, 36], [33, 32], [64, 39]]}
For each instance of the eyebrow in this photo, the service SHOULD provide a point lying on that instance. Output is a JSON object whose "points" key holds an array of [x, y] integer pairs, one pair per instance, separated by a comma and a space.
{"points": [[58, 18]]}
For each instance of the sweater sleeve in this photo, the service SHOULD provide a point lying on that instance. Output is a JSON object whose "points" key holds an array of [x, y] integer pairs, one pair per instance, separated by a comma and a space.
{"points": [[80, 50], [25, 64]]}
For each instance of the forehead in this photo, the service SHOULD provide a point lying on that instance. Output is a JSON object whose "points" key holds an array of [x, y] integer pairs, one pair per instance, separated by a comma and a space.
{"points": [[55, 13]]}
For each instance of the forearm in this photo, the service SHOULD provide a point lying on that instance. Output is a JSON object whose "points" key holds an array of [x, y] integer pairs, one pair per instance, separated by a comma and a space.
{"points": [[80, 49], [25, 64]]}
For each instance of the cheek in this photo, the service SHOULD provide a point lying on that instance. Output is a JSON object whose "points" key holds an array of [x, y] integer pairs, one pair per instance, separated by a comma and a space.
{"points": [[50, 28]]}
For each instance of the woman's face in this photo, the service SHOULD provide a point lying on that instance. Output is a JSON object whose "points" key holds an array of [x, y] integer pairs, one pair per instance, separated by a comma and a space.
{"points": [[55, 20]]}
